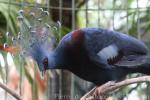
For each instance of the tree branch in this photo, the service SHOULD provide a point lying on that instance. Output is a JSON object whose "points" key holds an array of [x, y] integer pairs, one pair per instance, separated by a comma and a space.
{"points": [[111, 86], [15, 95]]}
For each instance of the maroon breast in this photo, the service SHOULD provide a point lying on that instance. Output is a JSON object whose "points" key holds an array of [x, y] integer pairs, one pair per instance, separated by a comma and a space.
{"points": [[78, 37]]}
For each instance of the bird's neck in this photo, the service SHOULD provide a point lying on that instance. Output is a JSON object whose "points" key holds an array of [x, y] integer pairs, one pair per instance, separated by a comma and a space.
{"points": [[57, 60]]}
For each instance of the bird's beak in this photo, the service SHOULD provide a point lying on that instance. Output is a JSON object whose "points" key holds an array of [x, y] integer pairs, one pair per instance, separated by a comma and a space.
{"points": [[42, 73]]}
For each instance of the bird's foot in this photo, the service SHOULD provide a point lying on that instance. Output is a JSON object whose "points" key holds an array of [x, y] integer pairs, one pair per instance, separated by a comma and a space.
{"points": [[96, 93]]}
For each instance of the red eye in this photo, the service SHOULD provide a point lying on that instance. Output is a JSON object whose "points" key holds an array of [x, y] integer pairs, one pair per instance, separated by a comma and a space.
{"points": [[45, 61]]}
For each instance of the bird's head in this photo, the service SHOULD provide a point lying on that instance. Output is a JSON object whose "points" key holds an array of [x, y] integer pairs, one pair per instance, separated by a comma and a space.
{"points": [[40, 55], [36, 38], [41, 48]]}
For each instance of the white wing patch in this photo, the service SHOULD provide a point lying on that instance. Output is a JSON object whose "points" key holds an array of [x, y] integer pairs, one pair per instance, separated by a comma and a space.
{"points": [[108, 52]]}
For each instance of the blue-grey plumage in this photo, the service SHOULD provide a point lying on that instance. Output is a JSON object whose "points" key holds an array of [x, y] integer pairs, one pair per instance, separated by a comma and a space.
{"points": [[104, 44], [91, 53]]}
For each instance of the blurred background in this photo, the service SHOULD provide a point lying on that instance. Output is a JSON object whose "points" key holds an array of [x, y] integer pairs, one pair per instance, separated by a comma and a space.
{"points": [[22, 75]]}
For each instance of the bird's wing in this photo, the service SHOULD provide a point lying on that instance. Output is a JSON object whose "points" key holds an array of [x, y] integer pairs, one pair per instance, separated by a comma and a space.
{"points": [[131, 61], [106, 47]]}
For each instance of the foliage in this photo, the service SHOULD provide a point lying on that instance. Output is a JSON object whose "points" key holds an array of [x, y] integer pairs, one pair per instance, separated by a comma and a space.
{"points": [[8, 20]]}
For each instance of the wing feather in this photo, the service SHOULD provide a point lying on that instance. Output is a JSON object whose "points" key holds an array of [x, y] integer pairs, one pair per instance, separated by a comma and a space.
{"points": [[107, 47]]}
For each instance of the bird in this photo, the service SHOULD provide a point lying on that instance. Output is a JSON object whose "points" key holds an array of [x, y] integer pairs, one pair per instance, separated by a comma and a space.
{"points": [[93, 54]]}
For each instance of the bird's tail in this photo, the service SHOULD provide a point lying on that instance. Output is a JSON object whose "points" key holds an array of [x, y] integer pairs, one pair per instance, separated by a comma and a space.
{"points": [[136, 64]]}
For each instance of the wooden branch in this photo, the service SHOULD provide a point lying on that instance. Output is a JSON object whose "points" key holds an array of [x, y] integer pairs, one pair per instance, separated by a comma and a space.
{"points": [[111, 86], [15, 95]]}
